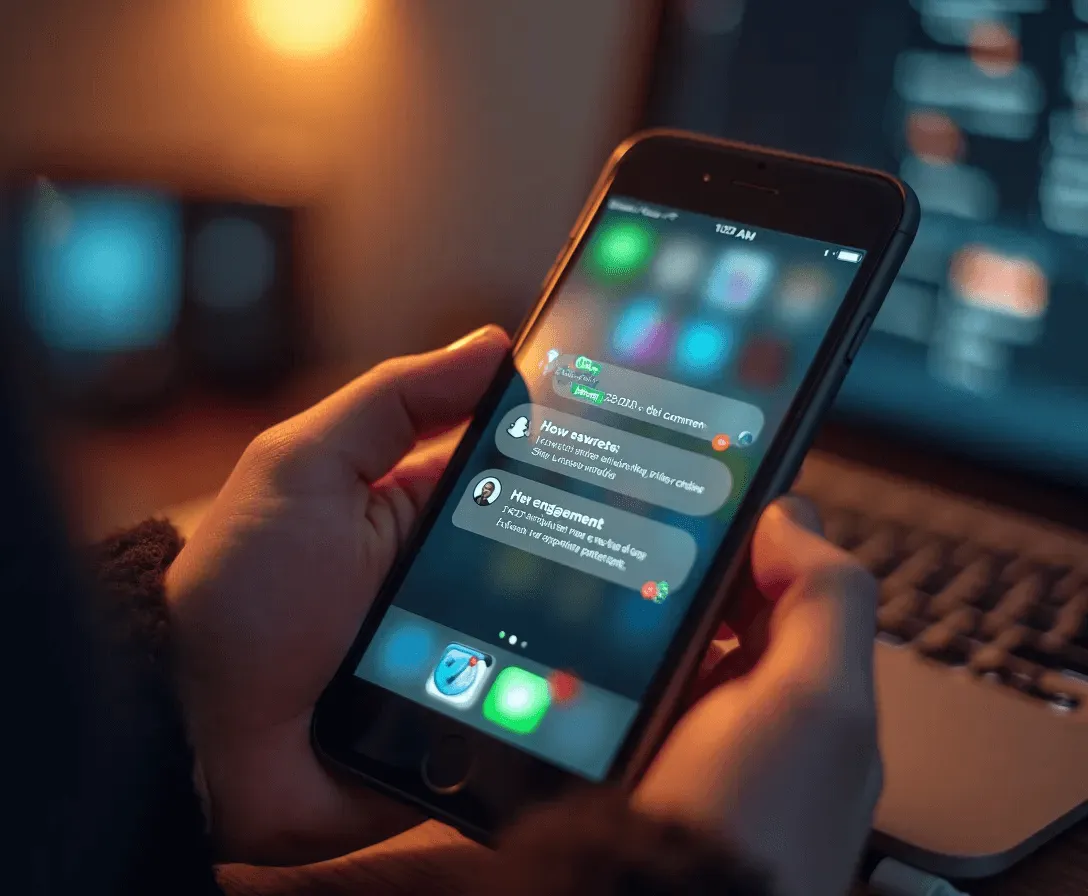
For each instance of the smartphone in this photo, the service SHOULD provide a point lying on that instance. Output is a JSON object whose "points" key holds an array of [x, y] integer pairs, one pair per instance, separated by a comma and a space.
{"points": [[562, 585]]}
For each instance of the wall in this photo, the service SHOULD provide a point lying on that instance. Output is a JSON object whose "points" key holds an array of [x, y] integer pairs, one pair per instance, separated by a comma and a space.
{"points": [[443, 153]]}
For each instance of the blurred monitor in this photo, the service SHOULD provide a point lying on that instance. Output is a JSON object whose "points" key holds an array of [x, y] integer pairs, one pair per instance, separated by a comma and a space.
{"points": [[130, 289], [982, 106]]}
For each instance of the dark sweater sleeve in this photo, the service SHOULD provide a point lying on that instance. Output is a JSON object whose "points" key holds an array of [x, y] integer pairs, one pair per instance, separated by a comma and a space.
{"points": [[155, 809]]}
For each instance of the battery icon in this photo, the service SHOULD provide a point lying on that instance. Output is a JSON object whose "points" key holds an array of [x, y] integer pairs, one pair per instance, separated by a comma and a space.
{"points": [[847, 255]]}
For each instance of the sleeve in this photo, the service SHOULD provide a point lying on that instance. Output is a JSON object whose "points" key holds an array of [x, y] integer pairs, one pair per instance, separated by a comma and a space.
{"points": [[144, 755], [595, 843]]}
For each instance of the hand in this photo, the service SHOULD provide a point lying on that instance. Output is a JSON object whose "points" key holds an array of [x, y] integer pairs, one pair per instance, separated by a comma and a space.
{"points": [[270, 591], [783, 761]]}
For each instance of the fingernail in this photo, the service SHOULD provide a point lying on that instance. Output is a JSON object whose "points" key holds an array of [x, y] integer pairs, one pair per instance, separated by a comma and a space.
{"points": [[802, 512], [465, 340]]}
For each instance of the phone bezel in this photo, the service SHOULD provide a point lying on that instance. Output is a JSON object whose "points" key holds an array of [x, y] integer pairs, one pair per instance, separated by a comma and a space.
{"points": [[835, 203]]}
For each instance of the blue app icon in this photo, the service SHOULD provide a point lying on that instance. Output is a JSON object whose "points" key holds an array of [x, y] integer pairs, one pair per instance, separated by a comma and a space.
{"points": [[641, 333], [703, 348], [459, 676]]}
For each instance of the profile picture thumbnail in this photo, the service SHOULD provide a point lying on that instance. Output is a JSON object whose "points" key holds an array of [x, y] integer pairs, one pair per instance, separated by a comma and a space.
{"points": [[487, 491]]}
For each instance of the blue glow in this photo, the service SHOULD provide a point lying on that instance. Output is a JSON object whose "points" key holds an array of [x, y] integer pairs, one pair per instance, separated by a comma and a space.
{"points": [[103, 269], [703, 348], [641, 331], [408, 653]]}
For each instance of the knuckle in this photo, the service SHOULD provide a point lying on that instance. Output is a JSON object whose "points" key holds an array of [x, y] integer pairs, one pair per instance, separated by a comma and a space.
{"points": [[274, 446], [843, 575]]}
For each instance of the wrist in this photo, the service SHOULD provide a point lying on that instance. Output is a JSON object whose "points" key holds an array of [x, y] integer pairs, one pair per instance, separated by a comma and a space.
{"points": [[188, 700]]}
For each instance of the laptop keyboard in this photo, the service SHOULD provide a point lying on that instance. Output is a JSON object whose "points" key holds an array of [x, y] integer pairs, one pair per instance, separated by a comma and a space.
{"points": [[1013, 619]]}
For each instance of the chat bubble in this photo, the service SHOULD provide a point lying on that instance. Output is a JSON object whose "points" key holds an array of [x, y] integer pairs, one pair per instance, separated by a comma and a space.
{"points": [[586, 535], [611, 458], [674, 406]]}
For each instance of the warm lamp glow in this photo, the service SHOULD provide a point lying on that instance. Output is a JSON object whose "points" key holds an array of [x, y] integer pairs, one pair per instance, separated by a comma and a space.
{"points": [[306, 27]]}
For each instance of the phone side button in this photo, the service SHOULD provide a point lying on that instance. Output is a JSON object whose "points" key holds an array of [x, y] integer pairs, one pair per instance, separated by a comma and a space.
{"points": [[448, 765], [859, 338]]}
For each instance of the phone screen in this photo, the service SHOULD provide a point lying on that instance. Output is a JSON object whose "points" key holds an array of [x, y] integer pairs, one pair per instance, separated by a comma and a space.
{"points": [[543, 599]]}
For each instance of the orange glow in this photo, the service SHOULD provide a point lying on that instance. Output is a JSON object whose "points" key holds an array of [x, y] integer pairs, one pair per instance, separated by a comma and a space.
{"points": [[934, 137], [306, 28], [996, 282], [994, 48]]}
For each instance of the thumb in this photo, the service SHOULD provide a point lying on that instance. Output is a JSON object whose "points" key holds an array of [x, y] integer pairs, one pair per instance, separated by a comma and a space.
{"points": [[823, 625], [374, 421]]}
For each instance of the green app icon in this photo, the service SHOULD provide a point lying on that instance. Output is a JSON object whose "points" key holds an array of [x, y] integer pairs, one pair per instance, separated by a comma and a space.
{"points": [[622, 250], [517, 700]]}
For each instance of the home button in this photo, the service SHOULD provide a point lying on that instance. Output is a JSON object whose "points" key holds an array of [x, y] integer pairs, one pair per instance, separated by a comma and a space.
{"points": [[446, 768]]}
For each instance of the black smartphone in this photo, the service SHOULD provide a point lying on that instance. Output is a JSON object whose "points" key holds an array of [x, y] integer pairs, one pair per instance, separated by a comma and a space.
{"points": [[539, 628]]}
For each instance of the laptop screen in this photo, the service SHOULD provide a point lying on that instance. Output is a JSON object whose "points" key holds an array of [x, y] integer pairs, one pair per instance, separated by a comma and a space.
{"points": [[982, 106]]}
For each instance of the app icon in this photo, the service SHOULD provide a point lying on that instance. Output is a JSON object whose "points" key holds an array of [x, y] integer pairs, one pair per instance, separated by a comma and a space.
{"points": [[655, 591], [517, 700], [745, 439], [803, 295], [739, 279], [519, 429], [720, 442], [677, 265], [563, 686], [763, 362], [641, 334], [459, 677], [702, 348], [549, 362], [622, 250]]}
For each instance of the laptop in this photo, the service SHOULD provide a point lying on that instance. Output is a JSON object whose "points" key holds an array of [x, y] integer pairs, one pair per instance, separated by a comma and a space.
{"points": [[956, 462]]}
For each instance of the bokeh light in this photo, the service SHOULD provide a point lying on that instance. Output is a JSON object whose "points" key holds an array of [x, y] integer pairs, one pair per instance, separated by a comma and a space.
{"points": [[994, 48], [934, 137], [102, 269], [306, 28], [987, 279]]}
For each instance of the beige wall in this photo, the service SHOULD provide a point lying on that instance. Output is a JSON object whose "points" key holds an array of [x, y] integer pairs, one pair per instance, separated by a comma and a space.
{"points": [[444, 152]]}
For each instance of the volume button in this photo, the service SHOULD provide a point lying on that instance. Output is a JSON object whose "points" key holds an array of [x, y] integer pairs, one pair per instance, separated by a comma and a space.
{"points": [[859, 338]]}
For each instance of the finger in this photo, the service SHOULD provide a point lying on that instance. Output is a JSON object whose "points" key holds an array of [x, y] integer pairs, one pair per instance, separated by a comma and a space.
{"points": [[802, 511], [787, 544], [748, 613], [823, 625], [375, 420]]}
